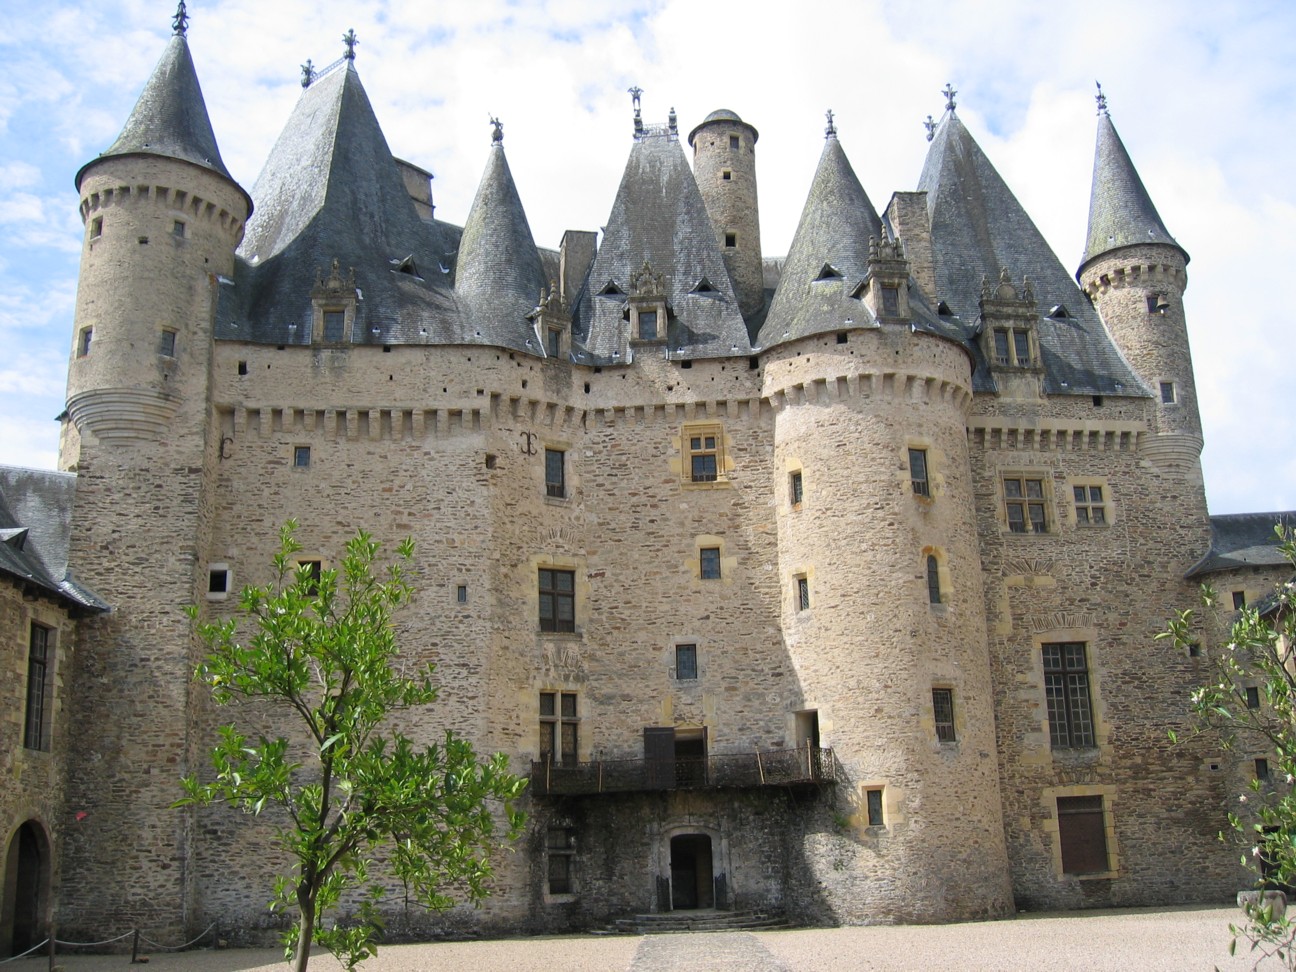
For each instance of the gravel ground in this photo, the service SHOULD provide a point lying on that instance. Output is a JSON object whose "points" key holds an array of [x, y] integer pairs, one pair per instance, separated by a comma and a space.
{"points": [[1178, 940]]}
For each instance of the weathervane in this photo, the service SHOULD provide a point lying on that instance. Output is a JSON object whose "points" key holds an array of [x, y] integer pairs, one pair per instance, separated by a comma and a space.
{"points": [[308, 73], [831, 130], [949, 93], [930, 125], [350, 40], [498, 134], [180, 22], [1101, 99]]}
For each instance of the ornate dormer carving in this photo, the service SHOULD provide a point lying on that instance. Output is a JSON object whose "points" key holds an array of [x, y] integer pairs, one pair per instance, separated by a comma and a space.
{"points": [[333, 303], [552, 320], [885, 290], [1009, 336], [646, 307]]}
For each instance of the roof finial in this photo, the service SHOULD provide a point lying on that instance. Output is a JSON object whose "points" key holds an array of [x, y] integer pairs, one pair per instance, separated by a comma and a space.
{"points": [[498, 134], [930, 125], [949, 93], [635, 92], [180, 22], [1101, 99], [308, 73], [672, 121], [831, 130], [350, 40]]}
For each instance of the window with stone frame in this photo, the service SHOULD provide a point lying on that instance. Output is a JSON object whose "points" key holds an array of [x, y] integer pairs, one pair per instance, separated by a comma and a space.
{"points": [[39, 663], [802, 592], [709, 563], [918, 472], [943, 711], [556, 473], [1012, 347], [553, 342], [703, 454], [1082, 835], [559, 728], [1026, 503], [796, 488], [873, 807], [1090, 505], [334, 325], [1066, 691], [560, 852], [686, 663], [933, 580], [557, 600]]}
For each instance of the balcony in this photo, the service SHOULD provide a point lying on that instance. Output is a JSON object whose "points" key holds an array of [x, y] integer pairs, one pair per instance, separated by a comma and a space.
{"points": [[780, 767]]}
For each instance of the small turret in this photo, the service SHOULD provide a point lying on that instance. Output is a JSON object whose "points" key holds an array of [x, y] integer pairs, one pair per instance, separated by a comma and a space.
{"points": [[724, 165], [1134, 272]]}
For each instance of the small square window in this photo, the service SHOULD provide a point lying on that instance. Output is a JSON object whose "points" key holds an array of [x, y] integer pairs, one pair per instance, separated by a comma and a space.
{"points": [[686, 662], [1090, 507], [556, 473], [1167, 393], [918, 472], [83, 341], [242, 368], [218, 582], [1262, 769], [731, 240], [1194, 649], [1156, 303], [796, 489], [710, 563], [727, 175], [96, 227], [803, 593], [461, 594], [178, 229], [734, 143], [873, 803], [301, 456], [1252, 697], [943, 709], [167, 344], [1239, 600]]}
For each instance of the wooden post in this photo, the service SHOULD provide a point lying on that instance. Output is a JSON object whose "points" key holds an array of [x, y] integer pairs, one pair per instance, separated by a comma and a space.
{"points": [[759, 768]]}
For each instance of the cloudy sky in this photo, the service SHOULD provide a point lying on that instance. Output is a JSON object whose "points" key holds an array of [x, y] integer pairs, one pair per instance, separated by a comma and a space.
{"points": [[1200, 91]]}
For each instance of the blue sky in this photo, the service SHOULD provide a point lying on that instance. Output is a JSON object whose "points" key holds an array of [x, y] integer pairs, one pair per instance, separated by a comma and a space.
{"points": [[1199, 91]]}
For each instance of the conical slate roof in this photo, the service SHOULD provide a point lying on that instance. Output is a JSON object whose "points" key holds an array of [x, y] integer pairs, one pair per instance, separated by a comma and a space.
{"points": [[828, 258], [331, 190], [978, 228], [659, 218], [170, 117], [498, 274], [1120, 210]]}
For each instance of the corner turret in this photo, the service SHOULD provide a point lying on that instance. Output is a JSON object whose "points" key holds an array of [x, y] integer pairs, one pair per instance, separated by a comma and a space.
{"points": [[1134, 272]]}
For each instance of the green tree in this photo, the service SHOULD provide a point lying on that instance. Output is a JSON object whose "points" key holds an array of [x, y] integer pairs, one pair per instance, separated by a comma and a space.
{"points": [[354, 795], [1251, 701]]}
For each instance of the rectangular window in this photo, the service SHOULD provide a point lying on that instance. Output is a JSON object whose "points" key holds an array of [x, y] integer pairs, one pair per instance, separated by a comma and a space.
{"points": [[218, 578], [1012, 347], [943, 708], [1082, 833], [83, 341], [796, 488], [1252, 697], [178, 229], [334, 325], [891, 301], [461, 594], [558, 725], [560, 844], [918, 472], [1066, 689], [1024, 501], [167, 344], [557, 600], [731, 240], [96, 227], [686, 662], [933, 580], [556, 473], [803, 593], [733, 142], [1021, 348], [1167, 393], [1090, 508], [554, 342], [647, 325], [301, 456], [1239, 600], [704, 456], [710, 563], [38, 662], [873, 801], [310, 571], [1262, 769], [726, 175]]}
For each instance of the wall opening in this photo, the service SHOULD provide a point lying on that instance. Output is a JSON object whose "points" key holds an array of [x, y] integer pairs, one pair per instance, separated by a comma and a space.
{"points": [[692, 878], [26, 890]]}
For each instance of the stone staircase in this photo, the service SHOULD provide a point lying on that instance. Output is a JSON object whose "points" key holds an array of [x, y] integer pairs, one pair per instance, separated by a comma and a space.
{"points": [[699, 920]]}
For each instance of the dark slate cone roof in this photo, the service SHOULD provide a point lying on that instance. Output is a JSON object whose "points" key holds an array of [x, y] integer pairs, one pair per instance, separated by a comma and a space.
{"points": [[1120, 210], [331, 190], [1244, 540], [170, 117], [978, 227], [836, 225], [498, 273], [659, 217]]}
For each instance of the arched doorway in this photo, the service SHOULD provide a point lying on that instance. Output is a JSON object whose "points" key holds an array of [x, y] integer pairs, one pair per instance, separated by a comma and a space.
{"points": [[692, 873], [26, 887]]}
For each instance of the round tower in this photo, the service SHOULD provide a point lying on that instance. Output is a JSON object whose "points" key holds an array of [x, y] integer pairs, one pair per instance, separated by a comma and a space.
{"points": [[1135, 274], [884, 620], [724, 165]]}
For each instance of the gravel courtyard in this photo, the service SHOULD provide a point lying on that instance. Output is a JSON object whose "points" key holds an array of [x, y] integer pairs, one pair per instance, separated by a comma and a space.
{"points": [[1098, 941]]}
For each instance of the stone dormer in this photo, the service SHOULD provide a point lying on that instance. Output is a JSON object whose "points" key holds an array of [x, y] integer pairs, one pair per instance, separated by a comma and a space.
{"points": [[1009, 336], [646, 306], [885, 289], [333, 306]]}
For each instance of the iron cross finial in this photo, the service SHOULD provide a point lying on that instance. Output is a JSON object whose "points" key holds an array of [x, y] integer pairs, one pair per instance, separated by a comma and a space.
{"points": [[949, 92], [180, 22], [635, 92], [350, 40], [830, 131], [498, 134], [930, 125], [308, 73], [1101, 99]]}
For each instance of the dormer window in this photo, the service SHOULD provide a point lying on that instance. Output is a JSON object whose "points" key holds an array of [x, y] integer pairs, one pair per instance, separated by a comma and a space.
{"points": [[553, 342], [1059, 313], [334, 325], [828, 272], [891, 301], [610, 289], [1012, 347], [704, 287], [333, 305], [406, 266], [646, 321]]}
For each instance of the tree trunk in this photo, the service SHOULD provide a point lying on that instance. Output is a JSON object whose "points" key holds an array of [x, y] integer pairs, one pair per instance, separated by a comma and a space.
{"points": [[305, 933]]}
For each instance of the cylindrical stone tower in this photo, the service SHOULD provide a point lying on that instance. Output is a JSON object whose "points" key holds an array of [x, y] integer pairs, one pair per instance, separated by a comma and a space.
{"points": [[724, 165]]}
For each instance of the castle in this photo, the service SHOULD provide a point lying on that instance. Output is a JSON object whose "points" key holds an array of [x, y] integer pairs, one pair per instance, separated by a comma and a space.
{"points": [[824, 585]]}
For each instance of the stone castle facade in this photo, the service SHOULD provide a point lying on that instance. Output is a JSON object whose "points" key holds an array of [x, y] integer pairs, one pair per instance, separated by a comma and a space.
{"points": [[824, 585]]}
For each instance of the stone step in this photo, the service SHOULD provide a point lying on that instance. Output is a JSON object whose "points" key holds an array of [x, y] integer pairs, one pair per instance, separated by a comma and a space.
{"points": [[698, 921]]}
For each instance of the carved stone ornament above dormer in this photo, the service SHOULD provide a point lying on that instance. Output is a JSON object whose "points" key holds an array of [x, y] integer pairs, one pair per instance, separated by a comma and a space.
{"points": [[647, 283], [334, 286]]}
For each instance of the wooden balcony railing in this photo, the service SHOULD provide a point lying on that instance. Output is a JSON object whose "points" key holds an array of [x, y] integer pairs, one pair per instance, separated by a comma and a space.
{"points": [[779, 767]]}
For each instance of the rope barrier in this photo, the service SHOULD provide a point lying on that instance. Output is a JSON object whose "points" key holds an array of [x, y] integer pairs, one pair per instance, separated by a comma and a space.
{"points": [[106, 941], [177, 948], [15, 958]]}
